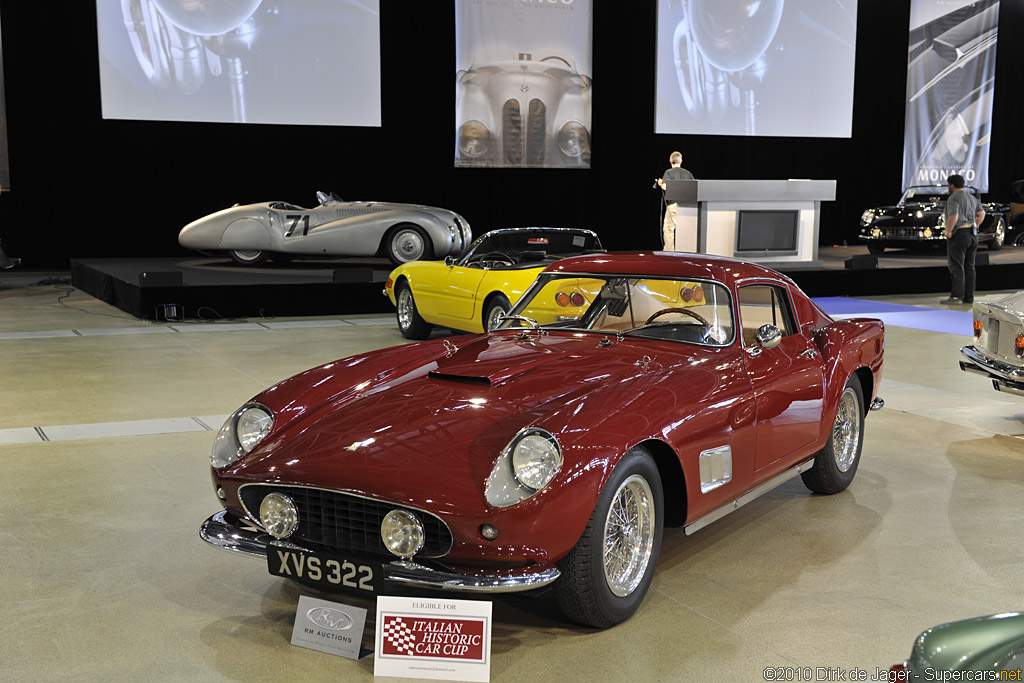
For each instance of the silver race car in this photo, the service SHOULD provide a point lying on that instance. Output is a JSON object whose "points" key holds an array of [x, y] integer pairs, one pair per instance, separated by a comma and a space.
{"points": [[253, 233]]}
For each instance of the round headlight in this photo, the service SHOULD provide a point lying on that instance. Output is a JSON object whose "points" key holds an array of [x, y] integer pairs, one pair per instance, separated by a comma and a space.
{"points": [[278, 515], [474, 139], [867, 217], [536, 458], [252, 425], [573, 139], [402, 533]]}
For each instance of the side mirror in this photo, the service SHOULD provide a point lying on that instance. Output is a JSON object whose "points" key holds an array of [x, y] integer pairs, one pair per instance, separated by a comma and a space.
{"points": [[768, 336], [449, 261]]}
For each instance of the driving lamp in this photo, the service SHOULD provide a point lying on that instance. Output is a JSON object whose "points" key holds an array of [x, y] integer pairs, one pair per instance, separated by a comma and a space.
{"points": [[278, 515], [402, 533]]}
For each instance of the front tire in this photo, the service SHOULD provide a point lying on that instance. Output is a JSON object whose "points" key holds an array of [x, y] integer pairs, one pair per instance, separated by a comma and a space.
{"points": [[497, 306], [836, 464], [249, 257], [606, 575], [409, 243], [996, 243], [875, 248], [410, 324]]}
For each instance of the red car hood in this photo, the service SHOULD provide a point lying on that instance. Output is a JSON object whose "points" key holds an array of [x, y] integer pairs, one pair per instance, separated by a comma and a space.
{"points": [[428, 432]]}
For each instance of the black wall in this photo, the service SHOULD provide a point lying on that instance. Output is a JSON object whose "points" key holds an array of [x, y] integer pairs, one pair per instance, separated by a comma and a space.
{"points": [[83, 186]]}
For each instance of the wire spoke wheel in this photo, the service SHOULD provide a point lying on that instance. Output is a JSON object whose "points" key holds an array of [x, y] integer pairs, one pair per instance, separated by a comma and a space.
{"points": [[846, 430], [406, 309], [629, 533]]}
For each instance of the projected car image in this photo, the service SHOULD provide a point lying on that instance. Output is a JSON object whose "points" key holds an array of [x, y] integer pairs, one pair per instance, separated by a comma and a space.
{"points": [[472, 294], [773, 67], [555, 454], [998, 349], [241, 61], [526, 110], [951, 122], [254, 233], [918, 220]]}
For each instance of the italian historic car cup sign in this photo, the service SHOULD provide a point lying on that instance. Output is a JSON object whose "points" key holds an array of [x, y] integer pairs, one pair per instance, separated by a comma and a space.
{"points": [[329, 627], [433, 638]]}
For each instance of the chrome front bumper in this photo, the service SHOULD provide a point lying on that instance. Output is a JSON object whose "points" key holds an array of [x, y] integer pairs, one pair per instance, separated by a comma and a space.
{"points": [[1005, 377], [237, 535]]}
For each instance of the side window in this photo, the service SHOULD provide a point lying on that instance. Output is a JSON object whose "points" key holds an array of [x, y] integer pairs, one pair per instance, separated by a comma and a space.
{"points": [[764, 305]]}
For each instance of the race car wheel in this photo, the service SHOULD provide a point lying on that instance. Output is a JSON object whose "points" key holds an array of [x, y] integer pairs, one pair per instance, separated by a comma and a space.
{"points": [[606, 575], [996, 243], [836, 464], [249, 257], [875, 248], [494, 309], [410, 324], [409, 243]]}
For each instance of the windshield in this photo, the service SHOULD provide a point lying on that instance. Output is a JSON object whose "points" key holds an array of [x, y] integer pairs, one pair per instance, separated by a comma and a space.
{"points": [[516, 246], [694, 311]]}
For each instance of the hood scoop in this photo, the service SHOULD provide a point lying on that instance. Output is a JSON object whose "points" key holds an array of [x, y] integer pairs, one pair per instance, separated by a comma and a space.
{"points": [[493, 360], [461, 379]]}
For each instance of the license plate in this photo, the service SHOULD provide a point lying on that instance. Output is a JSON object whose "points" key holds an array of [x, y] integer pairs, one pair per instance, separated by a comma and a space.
{"points": [[326, 570]]}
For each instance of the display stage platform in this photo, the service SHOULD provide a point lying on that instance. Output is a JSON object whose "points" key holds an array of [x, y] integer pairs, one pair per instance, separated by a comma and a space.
{"points": [[197, 287]]}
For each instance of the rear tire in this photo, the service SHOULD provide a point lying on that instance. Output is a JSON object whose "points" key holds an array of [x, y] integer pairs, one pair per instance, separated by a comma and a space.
{"points": [[606, 575], [410, 324], [408, 243], [249, 257], [836, 464]]}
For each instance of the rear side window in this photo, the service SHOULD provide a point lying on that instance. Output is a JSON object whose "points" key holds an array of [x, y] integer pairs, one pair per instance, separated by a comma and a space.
{"points": [[764, 305]]}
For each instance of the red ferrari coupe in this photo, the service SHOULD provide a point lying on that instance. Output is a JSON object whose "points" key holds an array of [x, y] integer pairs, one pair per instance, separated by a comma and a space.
{"points": [[622, 393]]}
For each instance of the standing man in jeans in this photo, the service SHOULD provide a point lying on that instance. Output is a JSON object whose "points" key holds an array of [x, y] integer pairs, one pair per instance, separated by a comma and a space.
{"points": [[963, 216], [675, 171]]}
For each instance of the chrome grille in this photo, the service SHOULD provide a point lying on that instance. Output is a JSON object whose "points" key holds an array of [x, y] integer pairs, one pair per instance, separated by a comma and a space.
{"points": [[901, 232], [340, 521]]}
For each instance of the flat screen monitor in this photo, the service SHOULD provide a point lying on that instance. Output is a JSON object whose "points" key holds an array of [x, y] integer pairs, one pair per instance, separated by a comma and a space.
{"points": [[767, 233]]}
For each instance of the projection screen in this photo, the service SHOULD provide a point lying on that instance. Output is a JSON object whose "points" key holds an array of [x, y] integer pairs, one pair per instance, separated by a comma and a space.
{"points": [[241, 61], [771, 67]]}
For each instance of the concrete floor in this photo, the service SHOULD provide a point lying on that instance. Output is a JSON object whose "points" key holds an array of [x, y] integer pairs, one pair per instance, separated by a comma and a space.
{"points": [[103, 576]]}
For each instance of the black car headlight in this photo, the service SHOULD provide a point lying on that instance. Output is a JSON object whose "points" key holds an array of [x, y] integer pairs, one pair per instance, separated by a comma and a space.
{"points": [[474, 139], [867, 217], [573, 139], [526, 465], [241, 433]]}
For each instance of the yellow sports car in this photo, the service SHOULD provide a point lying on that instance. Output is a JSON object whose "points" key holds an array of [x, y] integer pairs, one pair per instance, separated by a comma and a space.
{"points": [[472, 294]]}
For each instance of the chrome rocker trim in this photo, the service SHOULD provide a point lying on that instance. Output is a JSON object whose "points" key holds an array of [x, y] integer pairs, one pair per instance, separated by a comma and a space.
{"points": [[1005, 377], [221, 532], [747, 497]]}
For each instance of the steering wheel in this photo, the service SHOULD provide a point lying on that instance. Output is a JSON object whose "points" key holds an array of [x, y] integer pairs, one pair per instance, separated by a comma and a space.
{"points": [[499, 256], [685, 311]]}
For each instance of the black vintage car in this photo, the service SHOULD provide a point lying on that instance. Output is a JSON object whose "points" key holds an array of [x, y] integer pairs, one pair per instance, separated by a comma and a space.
{"points": [[917, 221]]}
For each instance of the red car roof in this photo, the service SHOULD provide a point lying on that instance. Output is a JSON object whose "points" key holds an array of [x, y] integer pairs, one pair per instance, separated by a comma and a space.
{"points": [[666, 264]]}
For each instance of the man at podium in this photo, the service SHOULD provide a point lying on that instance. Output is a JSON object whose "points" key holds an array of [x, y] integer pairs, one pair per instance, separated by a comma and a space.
{"points": [[675, 171]]}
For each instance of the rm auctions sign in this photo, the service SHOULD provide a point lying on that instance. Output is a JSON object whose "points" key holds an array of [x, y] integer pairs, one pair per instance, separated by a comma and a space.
{"points": [[433, 638]]}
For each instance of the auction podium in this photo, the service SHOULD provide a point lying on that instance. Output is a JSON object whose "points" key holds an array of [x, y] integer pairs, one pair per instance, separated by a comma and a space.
{"points": [[774, 222]]}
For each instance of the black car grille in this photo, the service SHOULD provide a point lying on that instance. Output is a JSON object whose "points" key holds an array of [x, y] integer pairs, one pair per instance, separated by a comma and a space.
{"points": [[339, 521], [517, 146]]}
